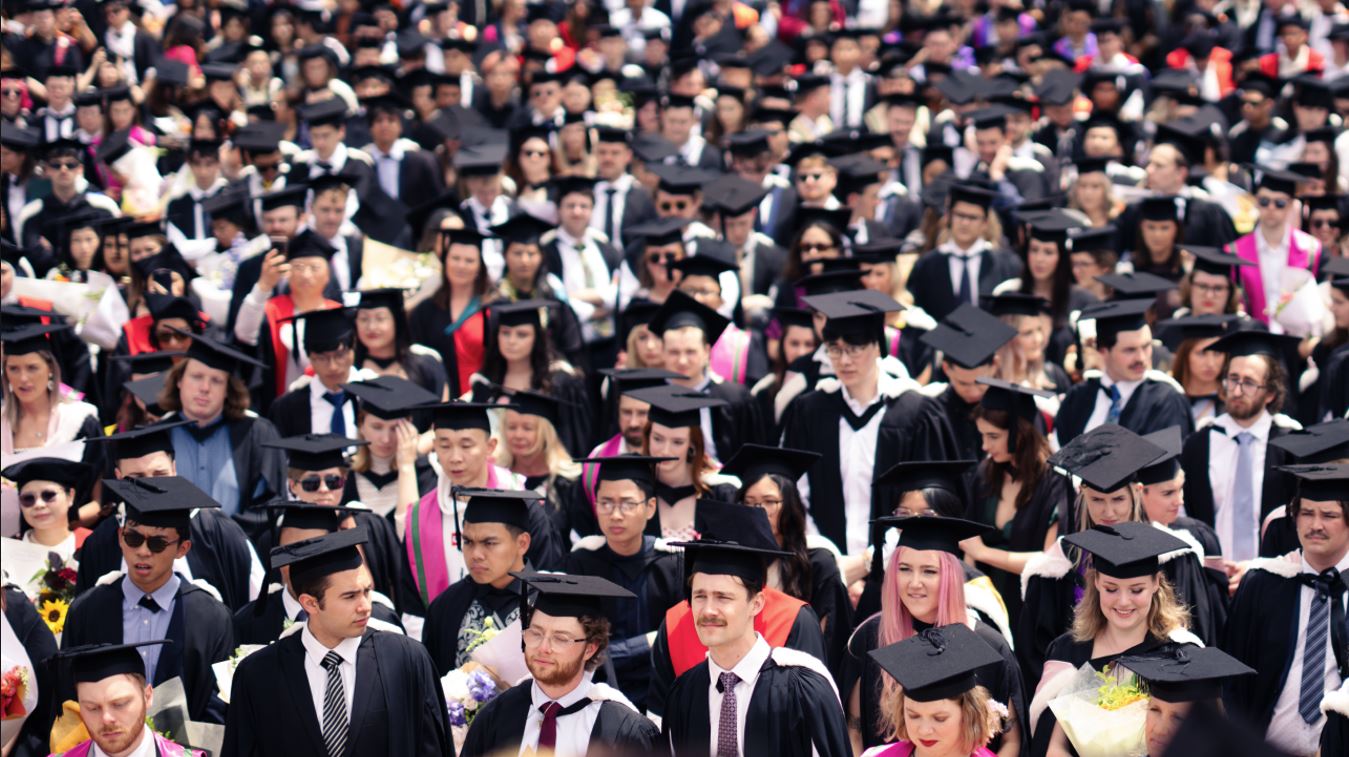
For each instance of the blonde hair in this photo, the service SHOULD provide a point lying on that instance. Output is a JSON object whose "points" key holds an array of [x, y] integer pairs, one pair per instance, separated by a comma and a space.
{"points": [[978, 720], [1165, 614], [554, 452], [1015, 367], [54, 396]]}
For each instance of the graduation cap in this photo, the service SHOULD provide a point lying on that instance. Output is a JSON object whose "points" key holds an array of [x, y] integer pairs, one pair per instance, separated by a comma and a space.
{"points": [[91, 663], [529, 402], [141, 441], [480, 160], [1086, 165], [321, 556], [682, 311], [702, 265], [1165, 208], [1321, 443], [390, 397], [1115, 317], [66, 473], [749, 143], [877, 250], [681, 180], [1166, 465], [639, 469], [854, 316], [736, 540], [1176, 330], [927, 474], [329, 112], [498, 506], [293, 196], [971, 193], [1102, 238], [160, 501], [638, 312], [1016, 303], [259, 138], [1215, 261], [20, 140], [1014, 399], [214, 354], [1136, 284], [1126, 550], [631, 379], [835, 219], [754, 461], [114, 146], [325, 330], [1276, 180], [465, 236], [311, 452], [561, 595], [162, 306], [937, 663], [969, 336], [927, 532], [675, 406], [147, 390], [1185, 673], [1247, 342], [31, 338], [1107, 457], [1320, 482], [229, 205], [462, 416], [291, 514]]}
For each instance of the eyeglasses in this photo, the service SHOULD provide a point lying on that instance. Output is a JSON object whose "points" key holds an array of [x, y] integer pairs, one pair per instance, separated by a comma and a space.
{"points": [[30, 499], [1233, 383], [157, 544], [1324, 223], [765, 504], [333, 481], [816, 246], [1211, 288], [674, 206], [11, 92], [534, 637], [535, 153], [624, 506], [1277, 202], [171, 336], [331, 357], [851, 351], [69, 165], [971, 217]]}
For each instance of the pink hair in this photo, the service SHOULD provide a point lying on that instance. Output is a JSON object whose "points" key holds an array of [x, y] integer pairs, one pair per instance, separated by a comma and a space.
{"points": [[896, 622]]}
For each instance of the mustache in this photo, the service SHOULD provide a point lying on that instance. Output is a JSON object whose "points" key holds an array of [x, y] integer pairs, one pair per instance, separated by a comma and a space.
{"points": [[706, 621]]}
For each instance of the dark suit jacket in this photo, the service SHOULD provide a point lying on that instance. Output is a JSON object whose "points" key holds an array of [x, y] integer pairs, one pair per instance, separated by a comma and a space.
{"points": [[777, 222], [181, 213], [935, 292], [638, 208], [769, 262], [419, 177], [1194, 458]]}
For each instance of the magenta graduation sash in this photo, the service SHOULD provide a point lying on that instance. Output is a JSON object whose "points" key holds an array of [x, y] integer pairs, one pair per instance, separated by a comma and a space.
{"points": [[1303, 252], [425, 542], [166, 749]]}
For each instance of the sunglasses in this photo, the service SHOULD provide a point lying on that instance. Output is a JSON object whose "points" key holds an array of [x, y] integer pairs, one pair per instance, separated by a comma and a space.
{"points": [[135, 539], [669, 206], [811, 176], [11, 92], [816, 247], [333, 481], [662, 257], [1325, 223], [267, 167], [69, 165], [30, 499], [1265, 202]]}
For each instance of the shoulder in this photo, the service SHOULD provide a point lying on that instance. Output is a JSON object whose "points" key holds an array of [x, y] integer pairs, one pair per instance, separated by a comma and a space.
{"points": [[1155, 377], [802, 663], [1051, 564], [1286, 566]]}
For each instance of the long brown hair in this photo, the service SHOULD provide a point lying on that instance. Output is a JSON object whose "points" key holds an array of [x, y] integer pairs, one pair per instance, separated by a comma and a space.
{"points": [[1028, 459], [482, 283], [698, 457], [236, 394]]}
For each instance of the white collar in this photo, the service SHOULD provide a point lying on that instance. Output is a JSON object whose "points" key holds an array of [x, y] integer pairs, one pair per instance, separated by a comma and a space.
{"points": [[127, 29], [1342, 566], [538, 698], [1124, 386], [396, 151], [569, 240], [749, 666], [951, 248], [347, 648], [1260, 429], [290, 604], [317, 389], [1263, 244]]}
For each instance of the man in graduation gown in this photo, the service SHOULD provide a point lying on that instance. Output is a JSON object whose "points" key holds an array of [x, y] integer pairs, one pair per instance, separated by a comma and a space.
{"points": [[969, 340], [221, 553], [640, 563], [494, 538], [42, 218], [150, 602], [782, 620], [1127, 391], [966, 266], [320, 404], [1288, 619], [561, 707], [280, 214], [336, 686], [791, 705], [263, 620]]}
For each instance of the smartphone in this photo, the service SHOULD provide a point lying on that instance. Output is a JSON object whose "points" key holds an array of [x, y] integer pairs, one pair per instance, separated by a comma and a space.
{"points": [[281, 245], [163, 277]]}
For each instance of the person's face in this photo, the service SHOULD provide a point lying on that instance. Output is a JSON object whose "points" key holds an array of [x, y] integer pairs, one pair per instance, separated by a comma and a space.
{"points": [[533, 157], [146, 568], [522, 264], [555, 648], [623, 510], [968, 223], [170, 340], [27, 376], [723, 610], [329, 210], [704, 289], [669, 442], [816, 244], [50, 508], [121, 113], [798, 341], [1255, 107], [914, 505], [382, 434], [375, 328], [1101, 142], [268, 166], [1321, 530], [576, 97], [937, 726], [854, 364], [1205, 366], [987, 142], [205, 170], [116, 14], [1209, 293], [1042, 258], [612, 159], [1309, 117], [1131, 357], [1273, 207], [1159, 236], [461, 265], [993, 441], [545, 97], [345, 609], [1165, 174], [879, 277], [670, 205], [113, 711], [1293, 38], [919, 573], [491, 552], [83, 244], [575, 211], [1092, 189], [1108, 508], [386, 128], [649, 347], [738, 228], [1125, 601], [939, 45], [326, 484], [146, 466], [515, 342], [1245, 403], [501, 77], [64, 171], [484, 188], [1162, 501], [632, 416], [964, 381], [463, 453], [333, 368], [1162, 722], [845, 54], [309, 274], [1325, 226], [766, 495], [326, 138], [316, 72], [521, 432], [202, 390], [1339, 308], [59, 88], [686, 352], [816, 183]]}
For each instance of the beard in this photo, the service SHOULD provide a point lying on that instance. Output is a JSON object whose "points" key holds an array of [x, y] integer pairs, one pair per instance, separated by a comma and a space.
{"points": [[561, 673], [122, 740], [1244, 409]]}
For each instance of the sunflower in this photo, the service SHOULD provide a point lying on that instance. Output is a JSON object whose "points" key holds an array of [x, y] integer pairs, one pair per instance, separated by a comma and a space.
{"points": [[53, 613]]}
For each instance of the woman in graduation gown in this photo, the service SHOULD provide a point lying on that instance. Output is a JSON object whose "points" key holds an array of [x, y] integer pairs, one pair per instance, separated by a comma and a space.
{"points": [[531, 449], [1127, 608], [1026, 359], [37, 412], [526, 277], [48, 506], [924, 587], [452, 321], [519, 356], [35, 641], [1193, 365], [936, 699], [384, 343], [768, 478], [1048, 276], [387, 474], [796, 339]]}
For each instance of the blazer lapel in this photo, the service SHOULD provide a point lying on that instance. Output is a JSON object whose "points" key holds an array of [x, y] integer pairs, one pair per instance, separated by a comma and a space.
{"points": [[296, 681], [368, 684]]}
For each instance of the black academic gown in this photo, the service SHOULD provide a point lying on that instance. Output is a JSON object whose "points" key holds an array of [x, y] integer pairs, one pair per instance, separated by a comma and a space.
{"points": [[398, 709], [1153, 406], [262, 620], [1025, 532], [499, 727], [1204, 220], [200, 629], [1003, 680], [656, 576], [829, 599], [935, 292], [1194, 458], [465, 601], [737, 423], [791, 710], [969, 444], [219, 556], [291, 415], [40, 645], [261, 471]]}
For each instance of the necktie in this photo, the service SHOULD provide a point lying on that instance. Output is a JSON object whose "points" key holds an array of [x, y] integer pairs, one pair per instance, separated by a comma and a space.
{"points": [[548, 730], [1112, 415], [337, 400], [1328, 587], [610, 222], [324, 166], [149, 603], [964, 291], [334, 707], [1243, 501], [726, 725]]}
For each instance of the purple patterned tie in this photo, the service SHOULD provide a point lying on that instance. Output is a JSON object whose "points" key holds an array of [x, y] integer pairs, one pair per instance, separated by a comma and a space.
{"points": [[726, 741]]}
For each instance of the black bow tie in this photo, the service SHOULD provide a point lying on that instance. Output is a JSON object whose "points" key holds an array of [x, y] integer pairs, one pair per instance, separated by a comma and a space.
{"points": [[149, 603], [1327, 583], [672, 494]]}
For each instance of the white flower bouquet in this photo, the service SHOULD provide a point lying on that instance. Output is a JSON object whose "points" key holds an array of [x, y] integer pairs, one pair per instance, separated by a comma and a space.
{"points": [[1102, 713]]}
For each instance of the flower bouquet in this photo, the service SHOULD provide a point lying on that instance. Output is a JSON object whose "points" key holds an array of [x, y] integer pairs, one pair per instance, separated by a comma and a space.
{"points": [[13, 691], [1102, 713], [224, 670], [18, 690], [56, 590], [467, 689]]}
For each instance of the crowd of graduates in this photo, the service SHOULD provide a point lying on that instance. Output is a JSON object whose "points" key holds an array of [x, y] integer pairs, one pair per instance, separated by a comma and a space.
{"points": [[930, 378]]}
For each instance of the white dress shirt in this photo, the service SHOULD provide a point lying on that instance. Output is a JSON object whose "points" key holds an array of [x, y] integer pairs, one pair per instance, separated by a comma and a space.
{"points": [[692, 150], [1287, 730], [484, 218], [573, 731], [956, 256], [622, 185], [705, 420], [585, 269], [1102, 409], [340, 263], [1222, 477], [314, 652], [293, 610], [857, 465], [387, 166], [321, 418], [146, 748], [849, 91], [1273, 261], [748, 670]]}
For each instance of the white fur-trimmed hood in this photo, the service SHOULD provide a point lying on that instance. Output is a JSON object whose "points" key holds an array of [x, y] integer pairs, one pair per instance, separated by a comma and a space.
{"points": [[1286, 566]]}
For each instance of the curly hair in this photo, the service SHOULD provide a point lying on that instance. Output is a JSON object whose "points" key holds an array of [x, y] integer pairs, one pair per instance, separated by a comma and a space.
{"points": [[597, 633]]}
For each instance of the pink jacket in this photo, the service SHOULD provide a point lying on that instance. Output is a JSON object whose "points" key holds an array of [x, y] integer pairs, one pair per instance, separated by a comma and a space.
{"points": [[1304, 251], [166, 749]]}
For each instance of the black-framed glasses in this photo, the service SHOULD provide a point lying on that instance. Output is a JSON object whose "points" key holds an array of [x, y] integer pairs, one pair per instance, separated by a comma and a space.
{"points": [[1247, 386], [333, 481], [30, 499], [624, 506], [135, 539], [1277, 202], [69, 165]]}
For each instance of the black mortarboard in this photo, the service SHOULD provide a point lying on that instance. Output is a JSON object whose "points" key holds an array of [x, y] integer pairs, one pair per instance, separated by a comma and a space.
{"points": [[1011, 398], [219, 71], [926, 532], [159, 501], [1163, 208], [613, 135], [326, 330], [735, 540], [1136, 284], [229, 205], [329, 112], [638, 312], [1166, 465], [308, 244], [937, 663], [215, 355], [390, 397], [567, 596], [1107, 457], [1213, 260], [289, 197], [522, 228], [498, 506], [632, 379], [343, 180], [259, 138], [90, 98], [1087, 165], [67, 473], [971, 193], [681, 180], [142, 441], [114, 146], [1321, 443], [652, 148], [295, 514], [520, 312], [754, 461], [1126, 550], [660, 231], [148, 362], [315, 451], [465, 236], [16, 138], [1117, 316], [833, 218], [640, 469], [1277, 180], [681, 311], [462, 416], [968, 336], [534, 403], [1176, 330], [926, 474], [846, 278], [312, 559], [147, 390], [1252, 342], [675, 406], [703, 265], [1323, 482], [1206, 732], [162, 306], [91, 663], [1015, 303], [853, 315], [749, 143], [1185, 673], [481, 160], [1093, 239], [30, 338]]}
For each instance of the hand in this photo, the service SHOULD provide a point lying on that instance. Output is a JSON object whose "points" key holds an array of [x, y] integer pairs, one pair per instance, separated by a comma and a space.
{"points": [[974, 548], [999, 168], [407, 444], [1235, 572], [274, 269]]}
